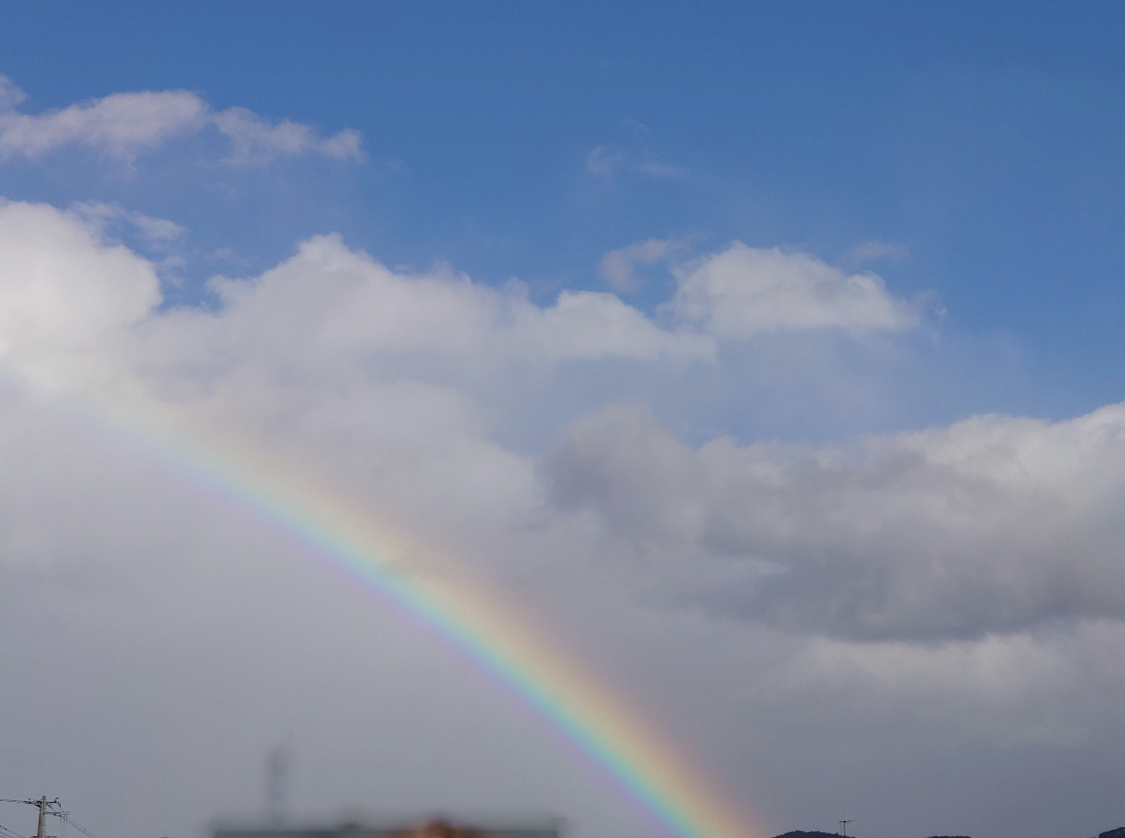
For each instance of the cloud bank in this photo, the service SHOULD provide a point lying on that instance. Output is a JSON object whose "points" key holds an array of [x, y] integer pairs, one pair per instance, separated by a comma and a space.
{"points": [[967, 575], [992, 525]]}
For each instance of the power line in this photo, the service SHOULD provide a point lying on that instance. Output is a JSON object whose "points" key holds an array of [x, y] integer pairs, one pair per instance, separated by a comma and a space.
{"points": [[45, 807], [9, 833], [69, 820]]}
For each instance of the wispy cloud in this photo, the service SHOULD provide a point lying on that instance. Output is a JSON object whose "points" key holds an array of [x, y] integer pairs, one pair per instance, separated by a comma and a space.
{"points": [[660, 171], [873, 250], [153, 231], [255, 139], [125, 125], [617, 267], [604, 161]]}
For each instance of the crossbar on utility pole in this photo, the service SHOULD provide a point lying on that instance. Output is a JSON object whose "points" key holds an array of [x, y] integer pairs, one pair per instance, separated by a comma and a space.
{"points": [[45, 807]]}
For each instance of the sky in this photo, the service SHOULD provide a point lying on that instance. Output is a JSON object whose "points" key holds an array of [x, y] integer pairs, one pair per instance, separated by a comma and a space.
{"points": [[761, 360]]}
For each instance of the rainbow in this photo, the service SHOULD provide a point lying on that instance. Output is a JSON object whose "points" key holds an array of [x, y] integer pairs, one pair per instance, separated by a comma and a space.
{"points": [[588, 720]]}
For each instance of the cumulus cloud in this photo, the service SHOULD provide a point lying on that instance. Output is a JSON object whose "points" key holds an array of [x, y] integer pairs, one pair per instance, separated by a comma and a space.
{"points": [[392, 362], [885, 540], [125, 125], [966, 575], [350, 303], [66, 294], [739, 291], [744, 290], [992, 525]]}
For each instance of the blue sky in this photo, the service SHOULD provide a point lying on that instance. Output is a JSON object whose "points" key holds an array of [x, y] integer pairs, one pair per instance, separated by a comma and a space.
{"points": [[982, 138], [768, 354]]}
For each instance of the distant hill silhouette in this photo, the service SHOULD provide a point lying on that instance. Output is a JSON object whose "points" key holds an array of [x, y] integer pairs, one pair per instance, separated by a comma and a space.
{"points": [[1114, 833]]}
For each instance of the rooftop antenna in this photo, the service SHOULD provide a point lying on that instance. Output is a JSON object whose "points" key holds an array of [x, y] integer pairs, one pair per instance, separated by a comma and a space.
{"points": [[844, 827]]}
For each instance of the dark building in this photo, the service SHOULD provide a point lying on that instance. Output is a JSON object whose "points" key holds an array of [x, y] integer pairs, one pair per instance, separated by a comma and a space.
{"points": [[434, 828]]}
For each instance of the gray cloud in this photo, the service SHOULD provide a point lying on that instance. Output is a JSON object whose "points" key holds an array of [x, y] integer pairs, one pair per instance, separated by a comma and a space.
{"points": [[149, 621], [994, 524], [991, 525]]}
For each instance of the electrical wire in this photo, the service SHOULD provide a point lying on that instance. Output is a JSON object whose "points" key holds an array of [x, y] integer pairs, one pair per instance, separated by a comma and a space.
{"points": [[63, 816], [70, 822], [9, 833]]}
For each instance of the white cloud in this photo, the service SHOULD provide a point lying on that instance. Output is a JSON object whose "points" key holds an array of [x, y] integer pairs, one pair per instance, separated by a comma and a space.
{"points": [[124, 125], [429, 346], [617, 266], [10, 95], [583, 324], [154, 231], [977, 562], [743, 291], [65, 294], [350, 303], [406, 365], [255, 139], [121, 125], [604, 162]]}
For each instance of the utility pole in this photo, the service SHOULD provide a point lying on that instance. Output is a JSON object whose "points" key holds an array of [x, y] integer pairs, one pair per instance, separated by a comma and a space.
{"points": [[41, 831], [45, 807], [49, 807]]}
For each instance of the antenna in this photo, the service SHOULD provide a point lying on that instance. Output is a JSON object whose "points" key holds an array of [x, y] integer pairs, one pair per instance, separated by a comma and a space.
{"points": [[844, 827]]}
